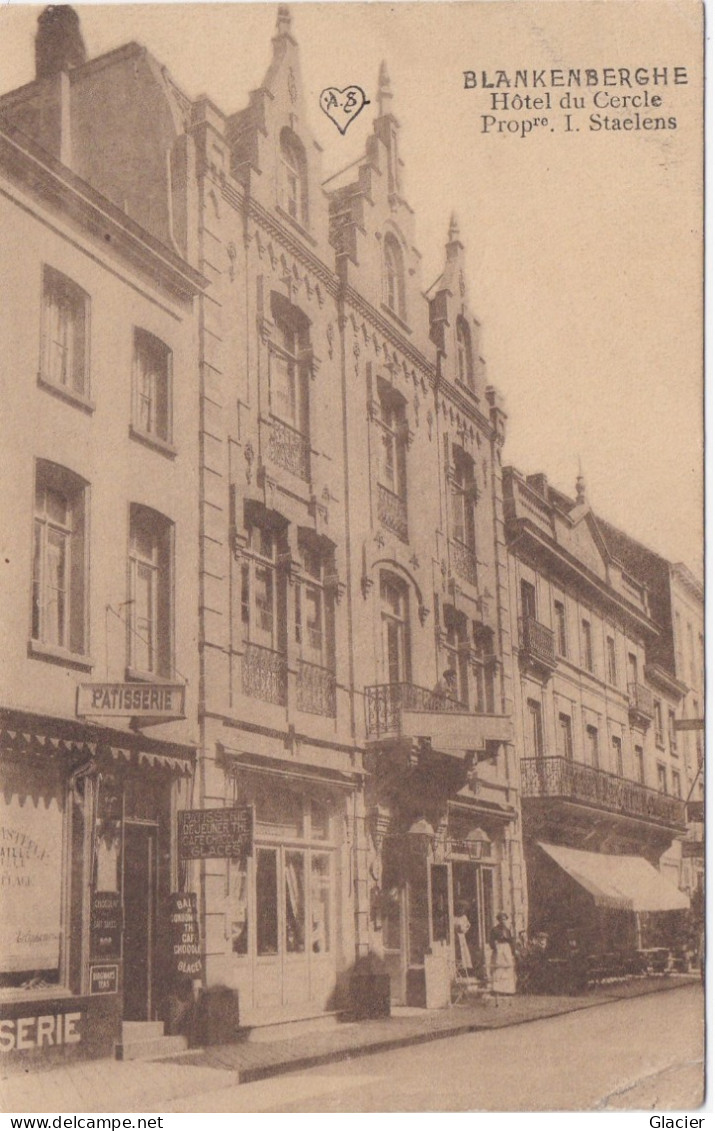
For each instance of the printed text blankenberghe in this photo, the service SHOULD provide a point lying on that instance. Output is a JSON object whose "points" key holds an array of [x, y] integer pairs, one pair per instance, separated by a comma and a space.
{"points": [[548, 78]]}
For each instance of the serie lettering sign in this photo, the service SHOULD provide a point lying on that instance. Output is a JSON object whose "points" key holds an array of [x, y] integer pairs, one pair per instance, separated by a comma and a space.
{"points": [[136, 700], [103, 979], [184, 939], [221, 833]]}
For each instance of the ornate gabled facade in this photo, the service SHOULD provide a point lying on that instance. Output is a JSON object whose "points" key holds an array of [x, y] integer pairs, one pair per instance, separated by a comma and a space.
{"points": [[590, 717], [423, 439]]}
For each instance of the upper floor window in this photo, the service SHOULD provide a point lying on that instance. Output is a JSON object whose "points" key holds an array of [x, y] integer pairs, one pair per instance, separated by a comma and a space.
{"points": [[535, 737], [263, 588], [463, 485], [65, 334], [560, 625], [640, 764], [592, 746], [672, 734], [484, 669], [152, 386], [394, 614], [658, 713], [392, 466], [456, 646], [394, 268], [294, 179], [564, 737], [465, 360], [59, 588], [677, 786], [662, 778], [290, 364], [149, 623], [528, 600], [314, 606], [586, 646], [611, 660], [617, 745]]}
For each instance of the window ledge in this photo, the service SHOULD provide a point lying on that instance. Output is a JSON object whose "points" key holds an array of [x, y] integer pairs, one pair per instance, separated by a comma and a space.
{"points": [[297, 225], [56, 655], [68, 395], [155, 442], [135, 675], [394, 315]]}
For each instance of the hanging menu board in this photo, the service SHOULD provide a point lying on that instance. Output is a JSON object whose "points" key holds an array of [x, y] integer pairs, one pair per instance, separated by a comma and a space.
{"points": [[225, 833], [106, 924], [184, 939]]}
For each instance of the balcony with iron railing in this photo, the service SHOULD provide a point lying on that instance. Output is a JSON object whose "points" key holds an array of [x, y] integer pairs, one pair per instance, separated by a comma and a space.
{"points": [[264, 674], [392, 511], [289, 448], [316, 689], [640, 705], [536, 644], [403, 710], [562, 778], [464, 562]]}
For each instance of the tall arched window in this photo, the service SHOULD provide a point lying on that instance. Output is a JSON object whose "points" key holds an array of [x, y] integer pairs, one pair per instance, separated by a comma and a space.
{"points": [[465, 362], [394, 275], [294, 178]]}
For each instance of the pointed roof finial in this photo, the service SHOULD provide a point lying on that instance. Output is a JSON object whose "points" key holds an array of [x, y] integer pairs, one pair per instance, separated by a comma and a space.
{"points": [[453, 228], [283, 22], [580, 485], [384, 93]]}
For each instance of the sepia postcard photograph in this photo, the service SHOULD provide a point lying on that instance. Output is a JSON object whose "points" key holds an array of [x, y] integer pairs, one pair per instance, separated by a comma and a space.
{"points": [[352, 686]]}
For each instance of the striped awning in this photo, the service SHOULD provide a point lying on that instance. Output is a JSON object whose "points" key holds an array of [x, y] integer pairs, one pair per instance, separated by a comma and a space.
{"points": [[625, 883]]}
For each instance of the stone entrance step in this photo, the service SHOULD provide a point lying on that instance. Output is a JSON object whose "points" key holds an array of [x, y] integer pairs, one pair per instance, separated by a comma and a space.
{"points": [[145, 1040]]}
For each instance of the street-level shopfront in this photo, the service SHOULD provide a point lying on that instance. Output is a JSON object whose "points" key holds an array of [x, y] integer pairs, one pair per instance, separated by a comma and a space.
{"points": [[287, 914], [430, 878], [86, 850]]}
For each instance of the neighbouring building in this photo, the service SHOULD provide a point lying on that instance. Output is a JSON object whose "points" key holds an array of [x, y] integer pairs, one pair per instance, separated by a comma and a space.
{"points": [[100, 552], [601, 776]]}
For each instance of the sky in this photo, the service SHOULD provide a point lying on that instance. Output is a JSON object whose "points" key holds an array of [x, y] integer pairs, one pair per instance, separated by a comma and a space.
{"points": [[584, 249]]}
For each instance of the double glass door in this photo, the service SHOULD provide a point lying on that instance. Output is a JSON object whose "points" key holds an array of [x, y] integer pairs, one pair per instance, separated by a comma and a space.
{"points": [[286, 933]]}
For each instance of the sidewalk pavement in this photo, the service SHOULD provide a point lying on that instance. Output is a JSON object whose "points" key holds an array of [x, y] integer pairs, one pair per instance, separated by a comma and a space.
{"points": [[107, 1085]]}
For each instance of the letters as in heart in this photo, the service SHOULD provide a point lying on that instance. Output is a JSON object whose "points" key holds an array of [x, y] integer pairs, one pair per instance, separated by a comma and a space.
{"points": [[343, 106]]}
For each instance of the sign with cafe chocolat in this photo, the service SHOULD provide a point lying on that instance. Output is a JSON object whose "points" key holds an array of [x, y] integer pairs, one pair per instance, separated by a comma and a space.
{"points": [[221, 833], [184, 939]]}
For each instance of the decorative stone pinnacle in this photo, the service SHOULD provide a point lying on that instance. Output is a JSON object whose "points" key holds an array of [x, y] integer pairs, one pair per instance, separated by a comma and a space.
{"points": [[283, 22], [384, 93]]}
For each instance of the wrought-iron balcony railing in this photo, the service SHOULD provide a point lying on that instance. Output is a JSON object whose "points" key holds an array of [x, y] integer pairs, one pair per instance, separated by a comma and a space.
{"points": [[640, 703], [264, 674], [464, 562], [385, 702], [289, 448], [316, 689], [575, 781], [392, 511], [537, 641], [402, 710]]}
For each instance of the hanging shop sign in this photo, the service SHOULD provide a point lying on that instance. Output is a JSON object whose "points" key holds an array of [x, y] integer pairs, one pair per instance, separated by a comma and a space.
{"points": [[103, 979], [184, 940], [160, 701], [223, 833], [106, 924]]}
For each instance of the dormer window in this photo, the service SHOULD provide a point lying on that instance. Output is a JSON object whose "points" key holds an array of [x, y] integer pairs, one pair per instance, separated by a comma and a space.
{"points": [[394, 276], [294, 179], [465, 362]]}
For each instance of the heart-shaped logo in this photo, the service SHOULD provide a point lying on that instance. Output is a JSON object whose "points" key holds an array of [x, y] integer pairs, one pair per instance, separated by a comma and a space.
{"points": [[343, 106]]}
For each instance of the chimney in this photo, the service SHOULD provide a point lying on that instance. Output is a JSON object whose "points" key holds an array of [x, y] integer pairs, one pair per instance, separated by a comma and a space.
{"points": [[58, 44]]}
